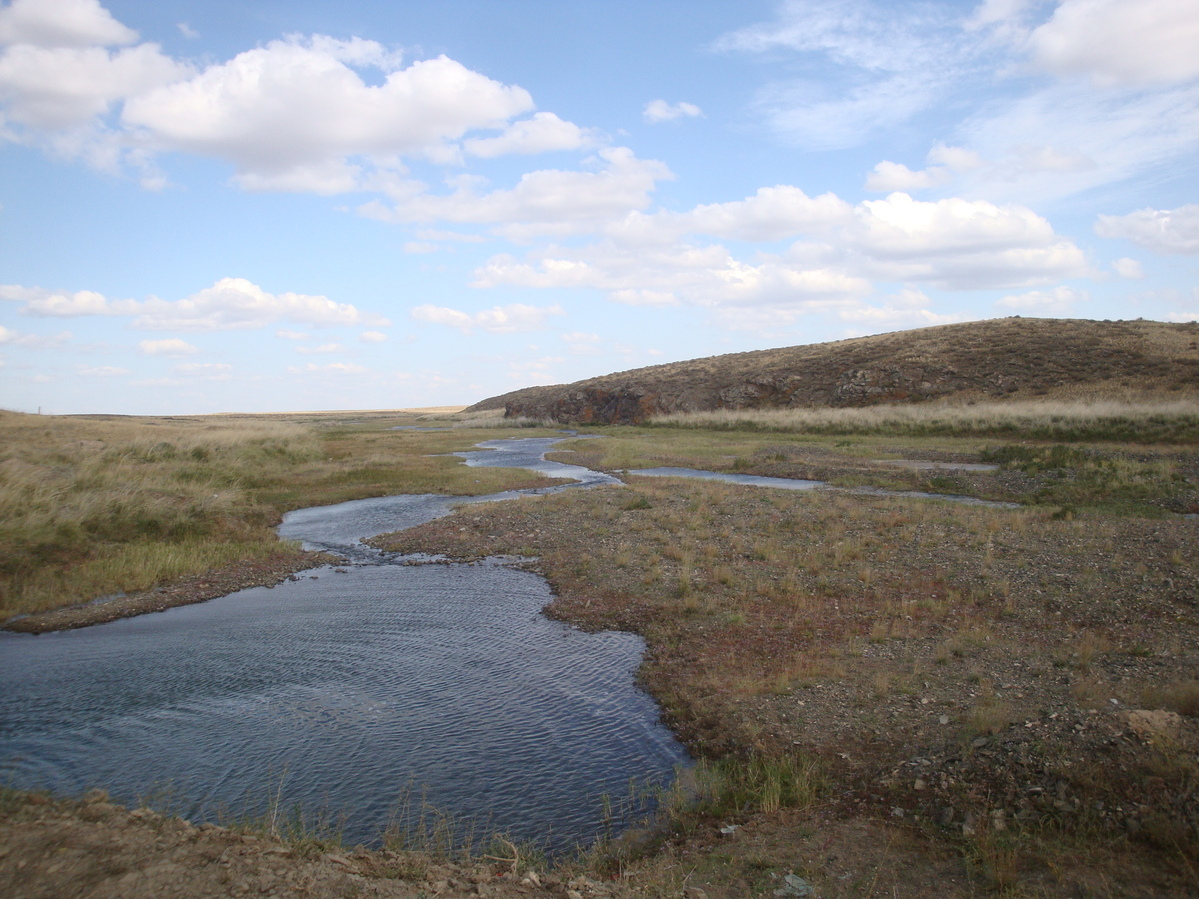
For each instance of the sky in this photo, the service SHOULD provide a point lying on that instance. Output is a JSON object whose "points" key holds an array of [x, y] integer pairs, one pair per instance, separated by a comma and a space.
{"points": [[281, 205]]}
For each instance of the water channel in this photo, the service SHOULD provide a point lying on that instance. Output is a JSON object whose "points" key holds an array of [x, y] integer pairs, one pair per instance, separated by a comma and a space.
{"points": [[352, 689]]}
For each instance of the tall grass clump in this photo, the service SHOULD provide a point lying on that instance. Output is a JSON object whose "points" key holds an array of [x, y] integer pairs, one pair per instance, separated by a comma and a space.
{"points": [[1174, 421]]}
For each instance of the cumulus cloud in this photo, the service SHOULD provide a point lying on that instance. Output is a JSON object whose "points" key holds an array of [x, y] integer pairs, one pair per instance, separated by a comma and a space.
{"points": [[1165, 231], [172, 346], [1059, 301], [61, 23], [290, 114], [1128, 268], [1117, 42], [547, 201], [542, 133], [499, 320], [660, 111], [372, 337], [944, 163], [231, 303], [952, 243]]}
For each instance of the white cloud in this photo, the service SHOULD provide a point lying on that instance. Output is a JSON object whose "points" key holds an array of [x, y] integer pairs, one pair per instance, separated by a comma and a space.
{"points": [[880, 64], [953, 243], [35, 341], [102, 371], [61, 23], [208, 371], [542, 133], [944, 162], [773, 213], [418, 247], [187, 31], [660, 111], [172, 346], [900, 230], [335, 368], [499, 320], [1059, 301], [319, 350], [291, 113], [1166, 231], [60, 88], [547, 201], [372, 337], [1128, 268], [286, 334], [1118, 42], [231, 303]]}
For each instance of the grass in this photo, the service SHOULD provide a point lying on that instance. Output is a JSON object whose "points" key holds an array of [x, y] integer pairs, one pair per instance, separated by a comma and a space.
{"points": [[91, 506], [1160, 422]]}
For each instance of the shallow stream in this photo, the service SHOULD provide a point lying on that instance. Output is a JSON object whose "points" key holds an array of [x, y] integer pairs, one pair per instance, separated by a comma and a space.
{"points": [[355, 690]]}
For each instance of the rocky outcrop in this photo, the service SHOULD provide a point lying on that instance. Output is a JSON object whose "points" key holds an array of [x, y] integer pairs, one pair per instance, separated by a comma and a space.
{"points": [[985, 360]]}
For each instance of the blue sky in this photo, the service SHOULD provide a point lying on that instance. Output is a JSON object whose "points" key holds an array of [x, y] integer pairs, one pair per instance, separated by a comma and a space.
{"points": [[268, 206]]}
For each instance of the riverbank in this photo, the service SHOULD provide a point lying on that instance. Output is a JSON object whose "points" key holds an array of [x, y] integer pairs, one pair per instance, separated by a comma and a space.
{"points": [[1008, 693]]}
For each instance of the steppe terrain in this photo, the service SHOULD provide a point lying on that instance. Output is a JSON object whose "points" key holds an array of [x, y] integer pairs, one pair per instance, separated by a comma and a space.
{"points": [[887, 694]]}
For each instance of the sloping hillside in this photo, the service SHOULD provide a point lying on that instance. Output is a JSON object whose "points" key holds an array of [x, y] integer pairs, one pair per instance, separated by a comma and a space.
{"points": [[1013, 357]]}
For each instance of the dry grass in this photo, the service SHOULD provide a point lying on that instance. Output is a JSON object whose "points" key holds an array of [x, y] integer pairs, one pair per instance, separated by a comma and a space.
{"points": [[1151, 422], [91, 506]]}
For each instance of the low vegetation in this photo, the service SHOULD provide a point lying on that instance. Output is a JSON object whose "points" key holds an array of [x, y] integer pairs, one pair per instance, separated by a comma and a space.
{"points": [[888, 695], [96, 505], [1172, 422]]}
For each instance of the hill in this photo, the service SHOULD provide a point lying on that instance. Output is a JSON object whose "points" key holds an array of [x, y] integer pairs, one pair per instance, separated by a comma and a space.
{"points": [[1014, 357]]}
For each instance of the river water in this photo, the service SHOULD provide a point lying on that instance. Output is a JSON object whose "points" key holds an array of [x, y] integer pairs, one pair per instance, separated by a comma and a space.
{"points": [[353, 690]]}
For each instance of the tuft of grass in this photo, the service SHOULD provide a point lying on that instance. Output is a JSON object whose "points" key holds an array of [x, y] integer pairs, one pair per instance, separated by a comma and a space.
{"points": [[1181, 697]]}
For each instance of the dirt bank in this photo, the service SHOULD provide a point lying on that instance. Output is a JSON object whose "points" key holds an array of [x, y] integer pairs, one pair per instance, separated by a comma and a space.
{"points": [[198, 588]]}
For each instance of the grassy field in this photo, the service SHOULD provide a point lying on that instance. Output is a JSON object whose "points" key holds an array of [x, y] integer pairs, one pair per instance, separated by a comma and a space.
{"points": [[96, 505]]}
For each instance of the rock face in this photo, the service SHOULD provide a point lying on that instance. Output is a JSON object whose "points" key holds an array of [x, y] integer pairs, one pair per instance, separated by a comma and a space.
{"points": [[1025, 357]]}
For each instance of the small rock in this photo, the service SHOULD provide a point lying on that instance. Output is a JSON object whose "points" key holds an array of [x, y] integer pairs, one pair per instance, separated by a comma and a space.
{"points": [[944, 719], [694, 893], [729, 830], [896, 812], [795, 887], [573, 894], [920, 784], [532, 878]]}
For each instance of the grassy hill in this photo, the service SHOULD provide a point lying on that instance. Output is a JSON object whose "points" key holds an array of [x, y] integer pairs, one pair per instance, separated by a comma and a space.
{"points": [[1019, 358]]}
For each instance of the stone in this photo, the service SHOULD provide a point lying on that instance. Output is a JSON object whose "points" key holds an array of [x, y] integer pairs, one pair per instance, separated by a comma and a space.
{"points": [[1150, 724], [795, 887]]}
